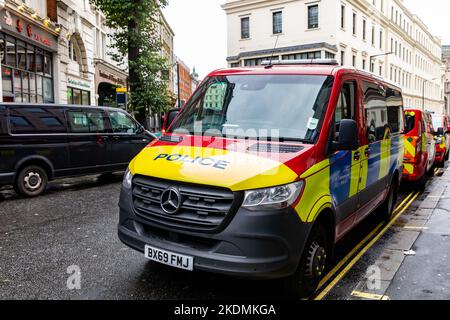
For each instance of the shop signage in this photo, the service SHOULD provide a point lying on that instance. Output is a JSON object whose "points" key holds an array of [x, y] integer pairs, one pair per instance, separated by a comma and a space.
{"points": [[79, 83], [112, 78], [17, 25]]}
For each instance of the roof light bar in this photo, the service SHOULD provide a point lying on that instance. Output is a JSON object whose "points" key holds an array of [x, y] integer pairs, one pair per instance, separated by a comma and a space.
{"points": [[331, 62]]}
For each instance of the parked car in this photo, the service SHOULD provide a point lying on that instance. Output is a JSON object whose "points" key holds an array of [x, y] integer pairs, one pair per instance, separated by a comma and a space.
{"points": [[216, 193], [39, 143], [420, 146], [440, 123]]}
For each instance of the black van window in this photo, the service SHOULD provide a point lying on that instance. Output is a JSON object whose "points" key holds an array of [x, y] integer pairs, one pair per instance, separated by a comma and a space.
{"points": [[36, 120], [121, 123], [376, 112], [394, 103], [86, 121]]}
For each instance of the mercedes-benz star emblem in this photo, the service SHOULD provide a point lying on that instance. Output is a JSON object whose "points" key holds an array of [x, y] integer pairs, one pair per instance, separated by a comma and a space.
{"points": [[171, 201]]}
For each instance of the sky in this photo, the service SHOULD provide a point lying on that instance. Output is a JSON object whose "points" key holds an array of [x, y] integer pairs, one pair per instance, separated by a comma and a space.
{"points": [[201, 31]]}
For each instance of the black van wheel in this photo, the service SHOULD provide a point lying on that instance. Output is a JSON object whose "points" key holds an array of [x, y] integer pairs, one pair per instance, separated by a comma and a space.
{"points": [[31, 181], [313, 265], [386, 210]]}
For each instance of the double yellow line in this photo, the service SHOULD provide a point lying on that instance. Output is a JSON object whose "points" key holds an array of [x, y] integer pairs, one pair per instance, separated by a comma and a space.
{"points": [[375, 235]]}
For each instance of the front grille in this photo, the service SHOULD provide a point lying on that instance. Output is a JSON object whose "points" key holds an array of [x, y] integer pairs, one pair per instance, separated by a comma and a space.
{"points": [[203, 208], [277, 148]]}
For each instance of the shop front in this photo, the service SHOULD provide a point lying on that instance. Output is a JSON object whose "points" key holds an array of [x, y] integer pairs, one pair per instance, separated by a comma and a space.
{"points": [[107, 80], [78, 91], [27, 54]]}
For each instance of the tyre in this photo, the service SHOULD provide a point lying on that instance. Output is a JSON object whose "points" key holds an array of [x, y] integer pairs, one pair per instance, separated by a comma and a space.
{"points": [[31, 181], [420, 185], [447, 156], [312, 267], [386, 210]]}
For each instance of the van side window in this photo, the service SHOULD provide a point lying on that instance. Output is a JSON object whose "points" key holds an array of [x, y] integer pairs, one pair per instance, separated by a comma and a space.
{"points": [[86, 122], [376, 113], [346, 105], [36, 120], [394, 102], [121, 123]]}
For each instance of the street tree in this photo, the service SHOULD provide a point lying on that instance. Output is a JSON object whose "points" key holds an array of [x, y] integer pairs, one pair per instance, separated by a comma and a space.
{"points": [[136, 38]]}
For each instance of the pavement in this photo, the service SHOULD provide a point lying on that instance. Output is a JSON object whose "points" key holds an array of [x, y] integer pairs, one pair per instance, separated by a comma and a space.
{"points": [[74, 227]]}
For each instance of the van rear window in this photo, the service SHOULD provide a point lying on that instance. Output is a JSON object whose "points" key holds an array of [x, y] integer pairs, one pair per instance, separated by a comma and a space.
{"points": [[410, 119], [39, 120]]}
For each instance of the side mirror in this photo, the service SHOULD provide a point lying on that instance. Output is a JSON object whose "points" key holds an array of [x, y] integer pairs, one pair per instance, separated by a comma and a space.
{"points": [[150, 135], [440, 132], [348, 136], [170, 116]]}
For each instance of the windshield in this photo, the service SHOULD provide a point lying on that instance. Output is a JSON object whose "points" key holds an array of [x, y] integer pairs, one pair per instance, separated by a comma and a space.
{"points": [[287, 107], [438, 122]]}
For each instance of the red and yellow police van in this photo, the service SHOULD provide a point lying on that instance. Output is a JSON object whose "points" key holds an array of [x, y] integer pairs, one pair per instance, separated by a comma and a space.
{"points": [[420, 147], [440, 123], [265, 169]]}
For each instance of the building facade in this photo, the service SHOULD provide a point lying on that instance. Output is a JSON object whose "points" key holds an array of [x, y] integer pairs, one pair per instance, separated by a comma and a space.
{"points": [[381, 36], [59, 51], [446, 61], [184, 84], [29, 42]]}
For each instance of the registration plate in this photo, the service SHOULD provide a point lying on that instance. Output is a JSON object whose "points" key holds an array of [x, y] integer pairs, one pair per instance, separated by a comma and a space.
{"points": [[169, 258]]}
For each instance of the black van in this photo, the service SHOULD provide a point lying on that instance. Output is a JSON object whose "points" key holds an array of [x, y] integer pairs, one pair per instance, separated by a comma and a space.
{"points": [[39, 143]]}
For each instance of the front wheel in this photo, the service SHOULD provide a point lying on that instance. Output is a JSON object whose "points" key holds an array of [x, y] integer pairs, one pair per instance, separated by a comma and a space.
{"points": [[31, 181], [313, 264]]}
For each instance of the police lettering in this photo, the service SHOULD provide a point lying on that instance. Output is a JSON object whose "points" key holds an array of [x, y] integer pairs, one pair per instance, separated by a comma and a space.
{"points": [[207, 162]]}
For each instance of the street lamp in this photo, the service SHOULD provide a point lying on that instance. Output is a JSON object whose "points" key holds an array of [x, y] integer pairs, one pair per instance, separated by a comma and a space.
{"points": [[423, 92], [377, 55]]}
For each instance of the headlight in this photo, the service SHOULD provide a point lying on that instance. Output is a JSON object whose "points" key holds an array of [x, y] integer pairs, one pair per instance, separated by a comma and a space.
{"points": [[439, 140], [127, 179], [276, 197]]}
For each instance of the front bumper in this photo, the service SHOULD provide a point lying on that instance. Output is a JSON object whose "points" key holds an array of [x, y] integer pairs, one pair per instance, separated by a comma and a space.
{"points": [[261, 245]]}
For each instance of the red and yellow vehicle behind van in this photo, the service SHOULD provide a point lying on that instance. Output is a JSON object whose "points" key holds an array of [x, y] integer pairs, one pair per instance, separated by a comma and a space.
{"points": [[441, 125], [420, 149], [265, 169]]}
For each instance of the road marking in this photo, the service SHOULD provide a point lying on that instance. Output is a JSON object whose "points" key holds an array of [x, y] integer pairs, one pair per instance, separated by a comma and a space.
{"points": [[416, 228], [356, 248], [370, 296], [364, 250]]}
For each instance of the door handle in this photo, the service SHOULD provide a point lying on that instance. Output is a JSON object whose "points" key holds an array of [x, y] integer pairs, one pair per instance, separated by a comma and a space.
{"points": [[367, 152], [357, 156]]}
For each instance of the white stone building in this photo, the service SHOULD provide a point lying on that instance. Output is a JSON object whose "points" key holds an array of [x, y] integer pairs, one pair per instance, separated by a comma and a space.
{"points": [[446, 60], [361, 33]]}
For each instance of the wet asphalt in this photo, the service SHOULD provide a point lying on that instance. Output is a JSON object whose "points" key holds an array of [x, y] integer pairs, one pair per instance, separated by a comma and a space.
{"points": [[75, 224]]}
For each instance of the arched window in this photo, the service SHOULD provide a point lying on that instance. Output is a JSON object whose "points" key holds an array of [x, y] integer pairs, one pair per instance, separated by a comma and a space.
{"points": [[74, 51]]}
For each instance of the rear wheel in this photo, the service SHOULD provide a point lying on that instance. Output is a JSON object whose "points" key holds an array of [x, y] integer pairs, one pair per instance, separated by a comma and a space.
{"points": [[386, 210], [447, 156], [31, 181], [313, 264]]}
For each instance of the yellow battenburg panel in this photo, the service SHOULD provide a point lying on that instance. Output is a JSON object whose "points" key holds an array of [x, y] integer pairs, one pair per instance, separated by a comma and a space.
{"points": [[409, 168], [355, 172], [223, 168], [424, 142], [316, 195], [410, 147], [385, 157], [364, 169]]}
